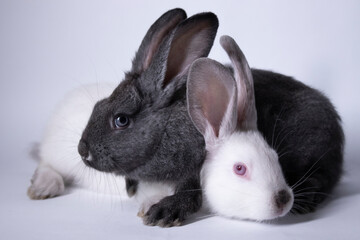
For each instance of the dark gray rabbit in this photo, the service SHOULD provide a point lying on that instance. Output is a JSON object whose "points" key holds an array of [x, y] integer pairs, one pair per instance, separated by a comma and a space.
{"points": [[143, 131], [304, 128]]}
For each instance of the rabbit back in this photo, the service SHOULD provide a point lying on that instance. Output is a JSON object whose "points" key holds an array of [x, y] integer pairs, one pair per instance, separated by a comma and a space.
{"points": [[304, 128]]}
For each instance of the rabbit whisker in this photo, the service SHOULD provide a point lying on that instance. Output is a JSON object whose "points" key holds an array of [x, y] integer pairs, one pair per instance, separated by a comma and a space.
{"points": [[294, 186], [277, 119]]}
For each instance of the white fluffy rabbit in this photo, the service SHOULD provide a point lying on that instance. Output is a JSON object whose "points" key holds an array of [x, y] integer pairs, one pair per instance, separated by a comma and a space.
{"points": [[60, 163], [241, 176]]}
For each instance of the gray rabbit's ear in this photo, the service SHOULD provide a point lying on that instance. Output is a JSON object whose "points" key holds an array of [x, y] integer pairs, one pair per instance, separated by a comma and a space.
{"points": [[212, 96], [192, 39], [154, 37], [247, 115]]}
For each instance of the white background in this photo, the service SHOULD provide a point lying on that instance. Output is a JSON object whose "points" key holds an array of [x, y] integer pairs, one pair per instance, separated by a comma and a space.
{"points": [[50, 47]]}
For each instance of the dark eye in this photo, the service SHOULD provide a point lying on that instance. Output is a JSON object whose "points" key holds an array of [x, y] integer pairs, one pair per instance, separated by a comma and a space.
{"points": [[240, 169], [121, 122]]}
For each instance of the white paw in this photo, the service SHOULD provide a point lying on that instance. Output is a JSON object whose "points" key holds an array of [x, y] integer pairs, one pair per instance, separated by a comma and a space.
{"points": [[45, 183], [147, 203], [149, 193]]}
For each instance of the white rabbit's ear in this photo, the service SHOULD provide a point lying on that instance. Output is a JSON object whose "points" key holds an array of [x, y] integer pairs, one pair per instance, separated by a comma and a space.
{"points": [[247, 115], [211, 96]]}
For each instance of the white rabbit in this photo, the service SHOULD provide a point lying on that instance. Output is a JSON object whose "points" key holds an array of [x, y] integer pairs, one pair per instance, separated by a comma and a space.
{"points": [[60, 163], [241, 176]]}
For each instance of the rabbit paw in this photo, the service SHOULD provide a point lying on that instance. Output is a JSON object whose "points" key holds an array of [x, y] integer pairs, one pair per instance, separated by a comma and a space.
{"points": [[45, 183], [147, 203], [166, 213]]}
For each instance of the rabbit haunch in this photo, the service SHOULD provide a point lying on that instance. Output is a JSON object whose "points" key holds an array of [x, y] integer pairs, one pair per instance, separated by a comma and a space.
{"points": [[60, 164]]}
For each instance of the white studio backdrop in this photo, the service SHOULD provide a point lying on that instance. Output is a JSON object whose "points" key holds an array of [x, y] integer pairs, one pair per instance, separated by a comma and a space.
{"points": [[48, 48]]}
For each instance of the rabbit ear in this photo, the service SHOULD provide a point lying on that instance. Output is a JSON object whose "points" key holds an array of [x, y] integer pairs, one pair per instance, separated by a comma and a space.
{"points": [[154, 37], [192, 39], [247, 115], [212, 96]]}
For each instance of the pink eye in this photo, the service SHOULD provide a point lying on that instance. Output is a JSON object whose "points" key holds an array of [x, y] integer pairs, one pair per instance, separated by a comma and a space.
{"points": [[240, 169]]}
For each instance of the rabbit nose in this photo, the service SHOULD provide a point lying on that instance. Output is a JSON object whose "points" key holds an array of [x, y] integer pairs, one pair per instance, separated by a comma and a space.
{"points": [[282, 198], [83, 150]]}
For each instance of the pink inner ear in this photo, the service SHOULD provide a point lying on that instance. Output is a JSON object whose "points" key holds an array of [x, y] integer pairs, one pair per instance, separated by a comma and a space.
{"points": [[214, 104], [211, 94], [187, 45], [158, 38], [247, 116]]}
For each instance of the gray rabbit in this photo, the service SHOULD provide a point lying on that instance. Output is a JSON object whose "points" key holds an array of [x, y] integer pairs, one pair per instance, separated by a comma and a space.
{"points": [[143, 130]]}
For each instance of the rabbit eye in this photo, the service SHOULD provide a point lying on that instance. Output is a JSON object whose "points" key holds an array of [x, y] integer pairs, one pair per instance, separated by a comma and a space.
{"points": [[240, 169], [121, 122]]}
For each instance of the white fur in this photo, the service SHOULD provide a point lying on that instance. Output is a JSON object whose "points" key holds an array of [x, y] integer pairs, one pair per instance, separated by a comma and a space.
{"points": [[46, 183], [243, 197], [150, 193], [60, 161]]}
